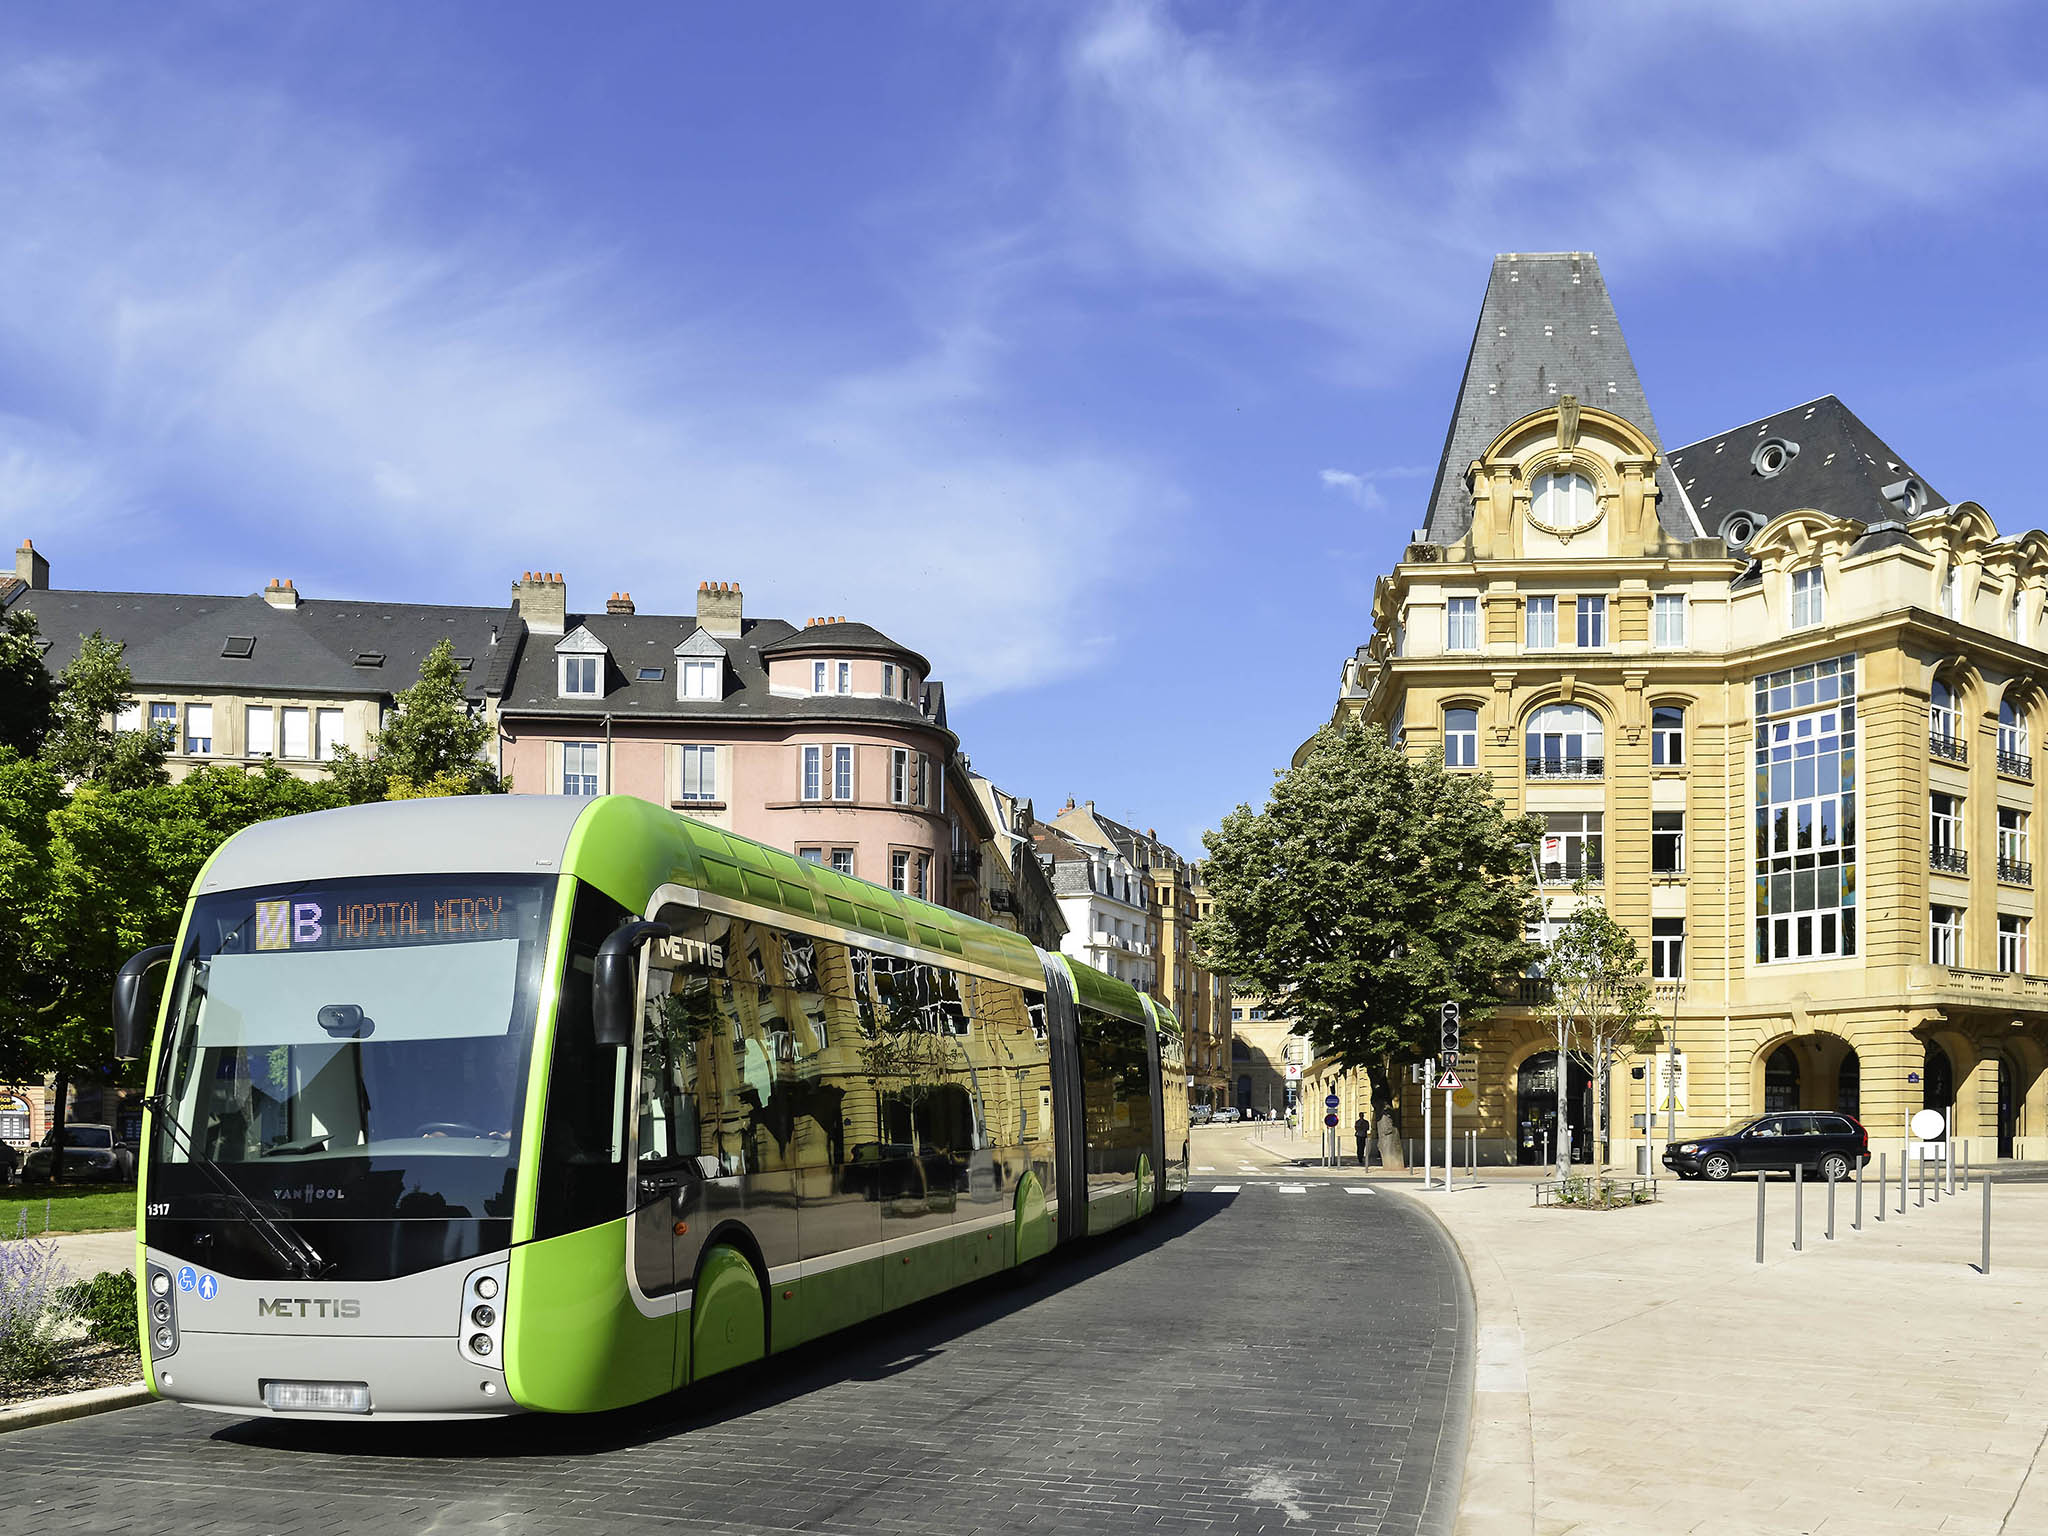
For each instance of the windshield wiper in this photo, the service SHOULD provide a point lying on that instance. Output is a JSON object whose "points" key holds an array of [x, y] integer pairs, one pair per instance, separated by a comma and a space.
{"points": [[298, 1256]]}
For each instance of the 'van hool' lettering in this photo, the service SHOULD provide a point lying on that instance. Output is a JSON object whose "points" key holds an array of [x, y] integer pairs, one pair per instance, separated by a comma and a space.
{"points": [[694, 952], [308, 1192], [283, 1306]]}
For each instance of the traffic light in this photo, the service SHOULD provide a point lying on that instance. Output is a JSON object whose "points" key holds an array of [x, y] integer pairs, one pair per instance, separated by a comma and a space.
{"points": [[1450, 1032]]}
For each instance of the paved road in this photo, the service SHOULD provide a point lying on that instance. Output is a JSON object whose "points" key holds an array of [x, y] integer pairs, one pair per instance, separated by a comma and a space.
{"points": [[1257, 1361]]}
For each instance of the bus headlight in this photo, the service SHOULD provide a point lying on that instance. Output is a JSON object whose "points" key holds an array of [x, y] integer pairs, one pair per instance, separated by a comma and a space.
{"points": [[163, 1312], [481, 1326], [160, 1310], [483, 1316], [487, 1287], [160, 1284], [163, 1338], [480, 1343]]}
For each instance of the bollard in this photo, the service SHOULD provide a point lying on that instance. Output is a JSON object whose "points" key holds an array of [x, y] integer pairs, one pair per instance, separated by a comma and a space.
{"points": [[1798, 1208], [1966, 1167], [1920, 1182], [1831, 1204], [1759, 1216], [1987, 1224], [1902, 1178], [1884, 1186], [1857, 1224], [1948, 1166]]}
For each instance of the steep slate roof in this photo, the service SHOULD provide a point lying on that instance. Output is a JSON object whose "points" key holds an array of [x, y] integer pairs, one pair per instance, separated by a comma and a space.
{"points": [[845, 636], [1842, 468], [175, 640], [637, 640], [1515, 369]]}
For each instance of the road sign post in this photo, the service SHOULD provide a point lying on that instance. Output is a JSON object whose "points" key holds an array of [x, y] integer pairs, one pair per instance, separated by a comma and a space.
{"points": [[1447, 1024], [1428, 1117]]}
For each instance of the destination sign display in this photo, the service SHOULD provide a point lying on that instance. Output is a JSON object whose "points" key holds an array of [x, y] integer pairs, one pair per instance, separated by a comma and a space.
{"points": [[401, 912]]}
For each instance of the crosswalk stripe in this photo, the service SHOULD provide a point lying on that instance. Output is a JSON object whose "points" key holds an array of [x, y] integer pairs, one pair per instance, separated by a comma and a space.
{"points": [[1356, 1189], [1204, 1168], [1293, 1189], [1225, 1189]]}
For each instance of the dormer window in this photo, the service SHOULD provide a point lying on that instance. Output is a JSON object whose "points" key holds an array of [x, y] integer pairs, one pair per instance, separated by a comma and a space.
{"points": [[698, 680], [888, 679], [579, 659], [1809, 598], [700, 668]]}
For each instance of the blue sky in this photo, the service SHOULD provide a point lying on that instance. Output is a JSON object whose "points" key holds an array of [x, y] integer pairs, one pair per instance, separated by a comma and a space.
{"points": [[1101, 351]]}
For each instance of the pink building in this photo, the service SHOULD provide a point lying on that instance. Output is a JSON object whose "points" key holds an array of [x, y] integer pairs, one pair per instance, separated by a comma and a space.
{"points": [[828, 739]]}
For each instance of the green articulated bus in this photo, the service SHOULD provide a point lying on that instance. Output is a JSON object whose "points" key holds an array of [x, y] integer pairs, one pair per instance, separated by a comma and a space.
{"points": [[518, 1103]]}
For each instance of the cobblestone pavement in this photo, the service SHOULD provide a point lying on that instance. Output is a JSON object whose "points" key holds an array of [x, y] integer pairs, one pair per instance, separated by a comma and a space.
{"points": [[1252, 1361]]}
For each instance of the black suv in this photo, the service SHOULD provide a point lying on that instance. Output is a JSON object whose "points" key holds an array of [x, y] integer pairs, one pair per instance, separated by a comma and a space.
{"points": [[1821, 1142]]}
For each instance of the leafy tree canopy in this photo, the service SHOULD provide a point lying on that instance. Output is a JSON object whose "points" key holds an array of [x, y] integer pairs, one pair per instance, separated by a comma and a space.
{"points": [[1373, 887], [83, 745], [28, 697], [435, 743]]}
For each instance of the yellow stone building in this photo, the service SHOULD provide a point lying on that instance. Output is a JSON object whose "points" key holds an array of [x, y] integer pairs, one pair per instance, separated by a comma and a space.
{"points": [[1772, 695]]}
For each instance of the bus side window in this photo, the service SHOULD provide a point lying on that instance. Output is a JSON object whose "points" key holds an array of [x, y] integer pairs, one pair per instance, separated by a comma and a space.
{"points": [[583, 1142]]}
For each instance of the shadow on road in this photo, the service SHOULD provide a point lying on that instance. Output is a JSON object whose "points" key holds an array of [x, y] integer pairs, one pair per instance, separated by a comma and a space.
{"points": [[892, 1344]]}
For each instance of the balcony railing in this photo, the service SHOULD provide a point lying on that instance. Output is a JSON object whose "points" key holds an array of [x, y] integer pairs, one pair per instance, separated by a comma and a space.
{"points": [[1570, 871], [1531, 990], [2015, 872], [1949, 861], [1567, 767], [1954, 748], [967, 863], [2016, 764]]}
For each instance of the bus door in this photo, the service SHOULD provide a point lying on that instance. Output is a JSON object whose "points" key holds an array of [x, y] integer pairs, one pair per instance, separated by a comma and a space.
{"points": [[666, 1175]]}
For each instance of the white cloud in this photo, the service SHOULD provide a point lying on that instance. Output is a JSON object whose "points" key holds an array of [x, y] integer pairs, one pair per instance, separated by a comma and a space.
{"points": [[1357, 487], [245, 358]]}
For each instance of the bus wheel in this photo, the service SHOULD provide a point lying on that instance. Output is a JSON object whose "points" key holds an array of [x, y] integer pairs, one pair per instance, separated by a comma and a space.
{"points": [[728, 1316]]}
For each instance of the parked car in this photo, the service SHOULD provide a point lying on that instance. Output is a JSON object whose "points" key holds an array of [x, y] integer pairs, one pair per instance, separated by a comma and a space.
{"points": [[10, 1163], [1821, 1142], [1226, 1116], [90, 1152], [1198, 1114]]}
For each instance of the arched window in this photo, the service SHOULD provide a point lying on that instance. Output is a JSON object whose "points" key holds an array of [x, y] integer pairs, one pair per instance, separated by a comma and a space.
{"points": [[2014, 750], [1461, 738], [1565, 741], [1944, 720], [1563, 503]]}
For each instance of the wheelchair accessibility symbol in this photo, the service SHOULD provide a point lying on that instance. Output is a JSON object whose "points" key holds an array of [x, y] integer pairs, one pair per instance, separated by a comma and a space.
{"points": [[187, 1278]]}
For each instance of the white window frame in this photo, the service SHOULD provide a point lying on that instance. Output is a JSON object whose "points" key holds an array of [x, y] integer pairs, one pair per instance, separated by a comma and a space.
{"points": [[577, 671], [818, 676], [588, 777], [1809, 598], [328, 729], [842, 860], [161, 713], [1944, 720], [1461, 624], [701, 764], [1461, 746], [1667, 951], [1944, 825], [901, 774], [2012, 730], [261, 743], [899, 870], [842, 672], [2012, 943], [811, 783], [2012, 835], [1667, 742], [1668, 615], [698, 678], [888, 679], [1944, 934], [1673, 836], [128, 715], [842, 773], [288, 716], [1539, 624], [1589, 619], [197, 715]]}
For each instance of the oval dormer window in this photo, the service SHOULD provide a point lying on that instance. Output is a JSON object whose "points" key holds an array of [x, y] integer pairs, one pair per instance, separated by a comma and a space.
{"points": [[1772, 455], [1738, 529], [1563, 503]]}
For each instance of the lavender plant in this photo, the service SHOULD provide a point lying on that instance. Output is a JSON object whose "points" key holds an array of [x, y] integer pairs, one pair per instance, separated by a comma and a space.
{"points": [[32, 1340]]}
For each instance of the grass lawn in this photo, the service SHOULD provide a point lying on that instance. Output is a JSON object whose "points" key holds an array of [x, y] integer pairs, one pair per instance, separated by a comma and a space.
{"points": [[72, 1207]]}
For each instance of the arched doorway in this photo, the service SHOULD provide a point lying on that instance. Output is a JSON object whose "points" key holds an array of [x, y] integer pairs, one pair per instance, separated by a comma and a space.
{"points": [[1781, 1081], [1937, 1082], [1536, 1110], [1849, 1085], [1244, 1091]]}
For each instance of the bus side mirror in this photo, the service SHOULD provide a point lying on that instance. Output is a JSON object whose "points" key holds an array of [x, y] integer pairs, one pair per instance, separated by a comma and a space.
{"points": [[615, 981], [128, 1000]]}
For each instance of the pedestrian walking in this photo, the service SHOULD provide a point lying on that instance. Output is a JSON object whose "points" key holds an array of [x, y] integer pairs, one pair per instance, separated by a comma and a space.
{"points": [[1359, 1129]]}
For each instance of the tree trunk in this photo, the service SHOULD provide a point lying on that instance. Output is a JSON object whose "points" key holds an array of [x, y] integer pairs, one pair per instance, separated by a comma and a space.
{"points": [[57, 1129], [1386, 1113]]}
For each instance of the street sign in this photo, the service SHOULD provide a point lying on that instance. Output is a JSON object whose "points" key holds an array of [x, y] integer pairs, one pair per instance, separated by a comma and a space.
{"points": [[1449, 1084], [1668, 1085], [1464, 1098], [1330, 1121], [1293, 1071], [1331, 1101]]}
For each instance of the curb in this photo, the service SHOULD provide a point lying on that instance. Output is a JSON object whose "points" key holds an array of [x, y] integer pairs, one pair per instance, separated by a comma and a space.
{"points": [[73, 1405], [1442, 1512]]}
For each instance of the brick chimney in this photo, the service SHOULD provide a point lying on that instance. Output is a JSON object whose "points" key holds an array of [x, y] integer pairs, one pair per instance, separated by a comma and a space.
{"points": [[281, 593], [718, 609], [31, 567], [543, 599], [619, 602]]}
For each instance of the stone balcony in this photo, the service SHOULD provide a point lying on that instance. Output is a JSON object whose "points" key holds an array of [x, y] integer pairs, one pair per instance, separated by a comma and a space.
{"points": [[1973, 988]]}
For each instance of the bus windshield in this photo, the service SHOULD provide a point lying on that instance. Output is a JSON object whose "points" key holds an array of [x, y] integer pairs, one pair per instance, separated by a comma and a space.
{"points": [[356, 1049]]}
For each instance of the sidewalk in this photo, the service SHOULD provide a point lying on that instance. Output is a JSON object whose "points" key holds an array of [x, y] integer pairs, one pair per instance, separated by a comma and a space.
{"points": [[85, 1254], [1639, 1372]]}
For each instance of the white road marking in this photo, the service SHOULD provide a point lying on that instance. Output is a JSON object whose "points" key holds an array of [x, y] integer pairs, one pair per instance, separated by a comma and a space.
{"points": [[1293, 1189], [1357, 1189], [1226, 1189], [1204, 1168], [1501, 1368]]}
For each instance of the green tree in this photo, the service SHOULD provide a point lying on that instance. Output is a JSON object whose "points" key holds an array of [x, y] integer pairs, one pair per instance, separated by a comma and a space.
{"points": [[434, 743], [83, 745], [1372, 888], [28, 696], [1600, 1002]]}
